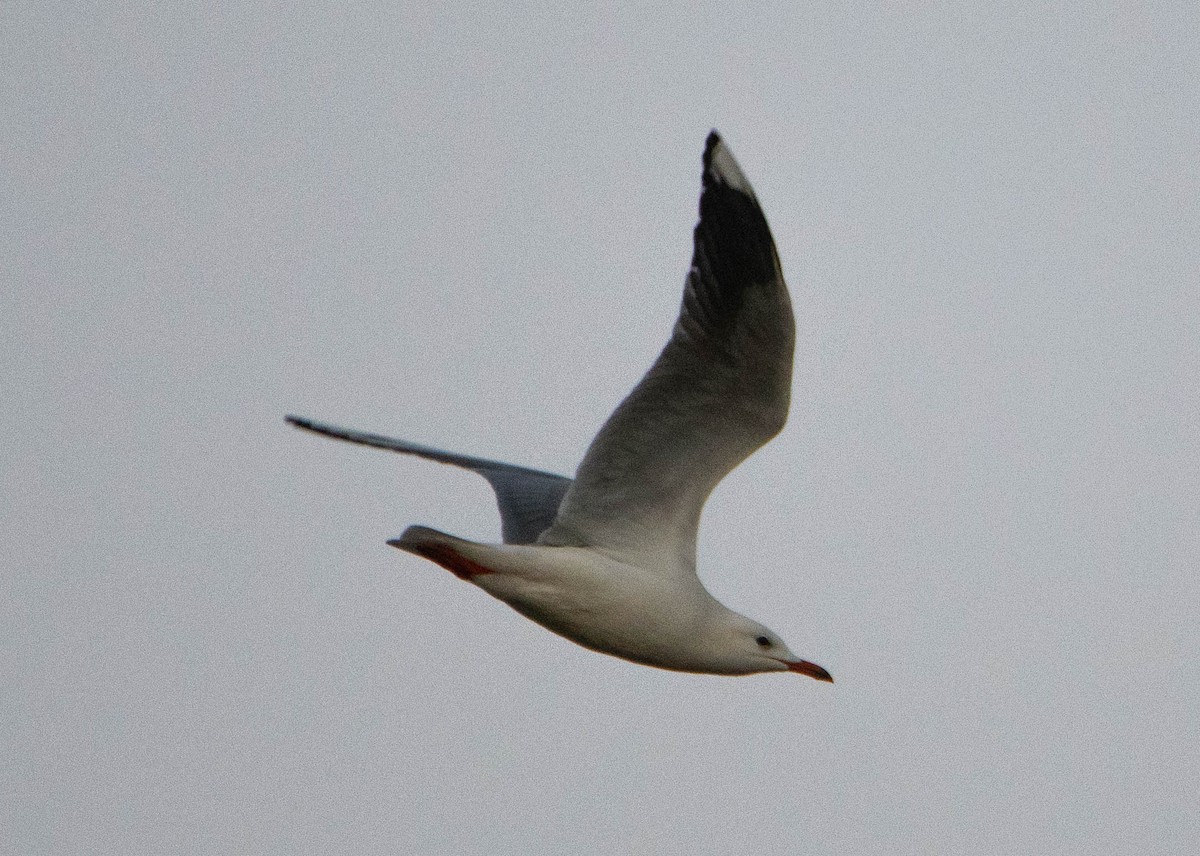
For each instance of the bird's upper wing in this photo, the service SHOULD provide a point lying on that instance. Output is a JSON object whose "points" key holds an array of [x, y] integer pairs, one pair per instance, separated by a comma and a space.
{"points": [[528, 499], [719, 390]]}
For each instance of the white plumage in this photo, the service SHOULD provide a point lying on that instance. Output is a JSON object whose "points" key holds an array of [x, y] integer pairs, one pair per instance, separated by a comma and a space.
{"points": [[608, 560]]}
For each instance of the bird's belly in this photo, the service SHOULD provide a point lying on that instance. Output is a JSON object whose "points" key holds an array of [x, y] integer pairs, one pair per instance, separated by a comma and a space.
{"points": [[625, 615]]}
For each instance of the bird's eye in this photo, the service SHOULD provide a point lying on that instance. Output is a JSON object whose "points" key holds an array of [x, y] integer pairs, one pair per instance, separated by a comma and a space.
{"points": [[763, 642]]}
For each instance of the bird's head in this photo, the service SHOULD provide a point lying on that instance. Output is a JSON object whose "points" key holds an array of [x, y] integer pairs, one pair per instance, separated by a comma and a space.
{"points": [[748, 647]]}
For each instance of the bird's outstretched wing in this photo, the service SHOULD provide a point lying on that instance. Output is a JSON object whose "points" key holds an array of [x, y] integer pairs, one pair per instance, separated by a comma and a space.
{"points": [[528, 499], [719, 390]]}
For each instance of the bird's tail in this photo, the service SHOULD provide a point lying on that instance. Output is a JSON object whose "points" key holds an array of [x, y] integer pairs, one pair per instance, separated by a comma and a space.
{"points": [[441, 548]]}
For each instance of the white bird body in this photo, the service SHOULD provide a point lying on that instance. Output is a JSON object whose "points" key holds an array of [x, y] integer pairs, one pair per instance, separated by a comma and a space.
{"points": [[608, 560], [594, 599]]}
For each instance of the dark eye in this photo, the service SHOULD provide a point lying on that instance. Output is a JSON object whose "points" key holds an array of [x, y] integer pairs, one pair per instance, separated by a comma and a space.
{"points": [[763, 642]]}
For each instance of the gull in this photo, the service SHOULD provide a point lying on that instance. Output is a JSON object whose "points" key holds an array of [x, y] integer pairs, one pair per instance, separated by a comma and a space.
{"points": [[608, 560]]}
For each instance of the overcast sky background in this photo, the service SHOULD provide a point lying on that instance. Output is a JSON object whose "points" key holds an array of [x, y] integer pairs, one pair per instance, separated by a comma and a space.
{"points": [[469, 225]]}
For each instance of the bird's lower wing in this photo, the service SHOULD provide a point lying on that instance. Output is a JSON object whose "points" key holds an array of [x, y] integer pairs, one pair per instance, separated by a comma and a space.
{"points": [[528, 499]]}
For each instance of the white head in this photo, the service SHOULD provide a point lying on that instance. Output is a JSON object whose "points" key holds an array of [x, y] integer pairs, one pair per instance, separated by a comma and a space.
{"points": [[741, 646]]}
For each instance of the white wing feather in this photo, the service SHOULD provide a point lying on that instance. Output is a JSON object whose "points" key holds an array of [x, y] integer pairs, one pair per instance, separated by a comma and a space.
{"points": [[719, 390]]}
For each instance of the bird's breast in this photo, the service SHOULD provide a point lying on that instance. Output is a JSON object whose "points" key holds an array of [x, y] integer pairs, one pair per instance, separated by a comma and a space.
{"points": [[599, 602]]}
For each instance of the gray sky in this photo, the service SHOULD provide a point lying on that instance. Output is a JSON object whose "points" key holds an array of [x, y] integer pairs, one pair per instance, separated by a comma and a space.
{"points": [[469, 226]]}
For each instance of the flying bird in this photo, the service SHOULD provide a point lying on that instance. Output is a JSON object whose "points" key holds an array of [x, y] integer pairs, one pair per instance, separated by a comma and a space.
{"points": [[608, 560]]}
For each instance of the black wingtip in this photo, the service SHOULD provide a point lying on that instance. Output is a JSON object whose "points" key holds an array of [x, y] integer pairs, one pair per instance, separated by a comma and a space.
{"points": [[721, 167], [309, 425], [734, 247], [710, 149]]}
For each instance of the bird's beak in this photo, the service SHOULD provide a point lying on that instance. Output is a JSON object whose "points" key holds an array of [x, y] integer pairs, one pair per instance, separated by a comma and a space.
{"points": [[804, 667]]}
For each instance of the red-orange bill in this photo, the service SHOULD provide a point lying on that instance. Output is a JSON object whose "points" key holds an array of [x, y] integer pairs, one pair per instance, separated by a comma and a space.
{"points": [[804, 667]]}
